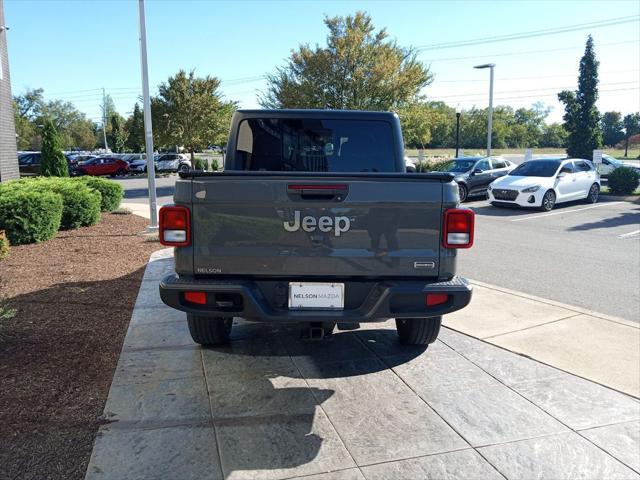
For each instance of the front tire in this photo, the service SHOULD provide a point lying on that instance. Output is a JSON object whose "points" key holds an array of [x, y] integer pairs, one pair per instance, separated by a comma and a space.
{"points": [[418, 331], [548, 201], [463, 192], [209, 330], [594, 193]]}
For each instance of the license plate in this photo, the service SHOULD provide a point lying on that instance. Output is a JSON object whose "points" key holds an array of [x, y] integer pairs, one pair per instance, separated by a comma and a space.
{"points": [[319, 296]]}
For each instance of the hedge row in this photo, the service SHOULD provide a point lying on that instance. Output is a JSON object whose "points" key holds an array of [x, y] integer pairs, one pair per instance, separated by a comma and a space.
{"points": [[33, 210]]}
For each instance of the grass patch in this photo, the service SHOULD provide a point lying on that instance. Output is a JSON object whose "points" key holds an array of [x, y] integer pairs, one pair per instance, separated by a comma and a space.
{"points": [[122, 211], [7, 313], [450, 152]]}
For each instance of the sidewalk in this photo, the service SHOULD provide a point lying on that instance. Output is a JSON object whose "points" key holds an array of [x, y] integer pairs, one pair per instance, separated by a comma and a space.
{"points": [[357, 405], [595, 346]]}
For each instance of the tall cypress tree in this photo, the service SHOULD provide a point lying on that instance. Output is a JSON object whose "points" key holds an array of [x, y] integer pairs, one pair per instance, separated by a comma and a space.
{"points": [[581, 117], [53, 162]]}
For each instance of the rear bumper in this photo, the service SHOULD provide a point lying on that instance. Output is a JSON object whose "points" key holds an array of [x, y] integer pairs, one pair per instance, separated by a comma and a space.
{"points": [[385, 299]]}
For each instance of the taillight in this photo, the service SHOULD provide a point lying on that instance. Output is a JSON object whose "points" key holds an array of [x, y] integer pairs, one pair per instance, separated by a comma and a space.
{"points": [[175, 226], [458, 228]]}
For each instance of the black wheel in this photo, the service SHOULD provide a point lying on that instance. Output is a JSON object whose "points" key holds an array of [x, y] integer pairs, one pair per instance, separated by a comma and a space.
{"points": [[418, 331], [464, 193], [145, 169], [594, 192], [548, 201], [183, 168], [209, 330], [121, 172]]}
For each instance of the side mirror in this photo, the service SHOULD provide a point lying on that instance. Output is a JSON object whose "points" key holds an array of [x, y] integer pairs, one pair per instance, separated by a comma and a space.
{"points": [[562, 175], [477, 171]]}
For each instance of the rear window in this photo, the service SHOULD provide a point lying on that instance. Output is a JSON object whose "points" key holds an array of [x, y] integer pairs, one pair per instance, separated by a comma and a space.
{"points": [[315, 145]]}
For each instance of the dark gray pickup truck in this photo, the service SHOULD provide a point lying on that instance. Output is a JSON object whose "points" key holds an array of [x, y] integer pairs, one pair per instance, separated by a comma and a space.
{"points": [[314, 220]]}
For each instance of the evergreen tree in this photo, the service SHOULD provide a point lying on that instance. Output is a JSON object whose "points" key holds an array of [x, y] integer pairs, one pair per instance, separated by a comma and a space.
{"points": [[135, 129], [117, 137], [53, 162], [631, 127], [582, 119]]}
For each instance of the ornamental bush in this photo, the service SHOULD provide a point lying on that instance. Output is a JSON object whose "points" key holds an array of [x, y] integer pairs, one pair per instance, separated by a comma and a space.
{"points": [[29, 215], [81, 204], [623, 180], [201, 164], [111, 192]]}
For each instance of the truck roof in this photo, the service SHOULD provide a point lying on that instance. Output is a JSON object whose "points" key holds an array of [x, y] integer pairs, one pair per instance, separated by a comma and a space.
{"points": [[318, 113]]}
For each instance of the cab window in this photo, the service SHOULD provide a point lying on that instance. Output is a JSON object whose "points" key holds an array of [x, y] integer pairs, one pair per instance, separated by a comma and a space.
{"points": [[483, 165]]}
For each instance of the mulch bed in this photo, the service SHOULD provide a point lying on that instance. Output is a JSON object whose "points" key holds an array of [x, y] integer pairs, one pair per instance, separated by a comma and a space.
{"points": [[74, 296]]}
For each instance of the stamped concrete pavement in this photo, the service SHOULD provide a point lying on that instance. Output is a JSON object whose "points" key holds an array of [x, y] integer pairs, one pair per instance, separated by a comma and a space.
{"points": [[355, 406]]}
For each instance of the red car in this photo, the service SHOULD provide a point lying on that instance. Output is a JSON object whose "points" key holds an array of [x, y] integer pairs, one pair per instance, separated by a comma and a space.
{"points": [[103, 166]]}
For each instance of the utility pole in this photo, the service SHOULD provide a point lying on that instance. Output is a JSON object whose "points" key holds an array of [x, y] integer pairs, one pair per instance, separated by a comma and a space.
{"points": [[148, 134], [104, 120], [457, 131]]}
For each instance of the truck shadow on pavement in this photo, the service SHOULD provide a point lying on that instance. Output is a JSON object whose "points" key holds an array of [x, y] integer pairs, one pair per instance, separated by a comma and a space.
{"points": [[275, 397]]}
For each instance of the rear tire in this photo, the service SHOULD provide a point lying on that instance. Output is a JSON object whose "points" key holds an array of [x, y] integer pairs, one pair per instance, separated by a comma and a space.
{"points": [[548, 201], [418, 331], [594, 192], [121, 172], [209, 330]]}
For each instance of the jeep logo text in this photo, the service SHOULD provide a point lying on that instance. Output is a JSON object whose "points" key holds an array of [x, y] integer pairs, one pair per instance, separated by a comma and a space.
{"points": [[324, 224]]}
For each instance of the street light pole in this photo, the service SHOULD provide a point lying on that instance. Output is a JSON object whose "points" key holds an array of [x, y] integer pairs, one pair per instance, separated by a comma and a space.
{"points": [[148, 134], [457, 131], [490, 66]]}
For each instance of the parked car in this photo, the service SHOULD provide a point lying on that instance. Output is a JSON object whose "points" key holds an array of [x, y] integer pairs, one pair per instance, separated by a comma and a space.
{"points": [[103, 166], [474, 174], [29, 163], [609, 164], [543, 183], [173, 162], [409, 165]]}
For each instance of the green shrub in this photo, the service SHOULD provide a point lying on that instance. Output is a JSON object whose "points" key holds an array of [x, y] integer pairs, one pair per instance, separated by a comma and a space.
{"points": [[28, 215], [4, 245], [81, 204], [214, 165], [623, 180], [201, 163], [53, 162], [112, 192]]}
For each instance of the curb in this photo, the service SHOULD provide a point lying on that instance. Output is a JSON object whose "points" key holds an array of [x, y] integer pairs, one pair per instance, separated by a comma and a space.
{"points": [[583, 311]]}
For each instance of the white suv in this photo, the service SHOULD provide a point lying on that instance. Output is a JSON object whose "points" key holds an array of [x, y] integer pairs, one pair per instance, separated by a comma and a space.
{"points": [[173, 162]]}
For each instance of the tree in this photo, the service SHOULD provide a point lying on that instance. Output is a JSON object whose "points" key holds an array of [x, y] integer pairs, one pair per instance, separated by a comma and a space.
{"points": [[631, 127], [189, 111], [415, 120], [357, 69], [135, 130], [554, 135], [117, 138], [53, 162], [582, 119], [611, 125]]}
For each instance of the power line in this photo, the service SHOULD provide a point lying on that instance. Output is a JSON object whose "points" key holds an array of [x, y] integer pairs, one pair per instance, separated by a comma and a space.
{"points": [[525, 52], [532, 78], [530, 34]]}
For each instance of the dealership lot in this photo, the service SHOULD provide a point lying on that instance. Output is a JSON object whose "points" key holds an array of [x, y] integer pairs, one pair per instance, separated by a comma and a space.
{"points": [[584, 255]]}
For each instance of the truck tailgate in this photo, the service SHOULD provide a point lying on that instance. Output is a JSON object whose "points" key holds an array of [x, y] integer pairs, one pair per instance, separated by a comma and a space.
{"points": [[316, 226]]}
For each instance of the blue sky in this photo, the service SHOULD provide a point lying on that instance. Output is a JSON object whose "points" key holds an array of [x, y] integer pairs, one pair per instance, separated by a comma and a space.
{"points": [[74, 48]]}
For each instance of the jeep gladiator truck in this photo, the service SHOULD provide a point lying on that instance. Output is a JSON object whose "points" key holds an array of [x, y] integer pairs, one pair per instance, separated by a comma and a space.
{"points": [[315, 220]]}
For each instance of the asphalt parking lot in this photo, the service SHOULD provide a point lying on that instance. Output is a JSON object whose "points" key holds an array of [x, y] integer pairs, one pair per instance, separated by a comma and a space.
{"points": [[584, 255]]}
